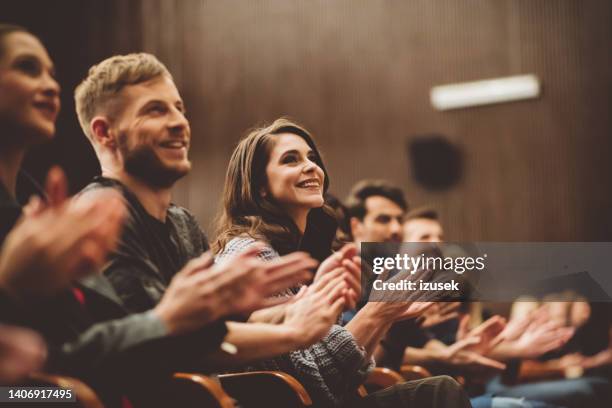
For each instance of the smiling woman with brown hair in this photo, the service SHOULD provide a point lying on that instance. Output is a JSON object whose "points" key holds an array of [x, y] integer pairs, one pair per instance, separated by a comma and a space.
{"points": [[274, 189], [274, 193]]}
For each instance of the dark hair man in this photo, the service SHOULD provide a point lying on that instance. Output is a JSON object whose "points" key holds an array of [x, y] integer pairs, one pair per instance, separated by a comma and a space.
{"points": [[376, 211]]}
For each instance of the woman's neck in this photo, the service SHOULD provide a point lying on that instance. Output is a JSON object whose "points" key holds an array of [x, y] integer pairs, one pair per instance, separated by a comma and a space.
{"points": [[300, 218], [11, 158]]}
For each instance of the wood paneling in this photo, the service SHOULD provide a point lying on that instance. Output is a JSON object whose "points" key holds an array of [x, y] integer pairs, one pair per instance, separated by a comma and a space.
{"points": [[358, 73]]}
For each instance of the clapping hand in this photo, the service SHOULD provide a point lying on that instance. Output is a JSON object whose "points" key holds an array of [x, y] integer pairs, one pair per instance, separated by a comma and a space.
{"points": [[346, 259], [56, 243]]}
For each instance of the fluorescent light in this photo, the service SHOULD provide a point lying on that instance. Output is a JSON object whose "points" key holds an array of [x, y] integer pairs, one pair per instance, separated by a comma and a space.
{"points": [[485, 92]]}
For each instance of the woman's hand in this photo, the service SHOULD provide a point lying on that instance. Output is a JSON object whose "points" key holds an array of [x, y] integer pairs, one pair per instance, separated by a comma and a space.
{"points": [[317, 308], [55, 244], [347, 259]]}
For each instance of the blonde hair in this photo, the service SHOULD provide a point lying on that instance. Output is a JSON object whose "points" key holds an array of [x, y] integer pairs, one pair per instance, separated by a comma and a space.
{"points": [[106, 79]]}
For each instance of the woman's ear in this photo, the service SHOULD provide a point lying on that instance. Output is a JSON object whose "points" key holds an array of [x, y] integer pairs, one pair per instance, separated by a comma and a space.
{"points": [[263, 193]]}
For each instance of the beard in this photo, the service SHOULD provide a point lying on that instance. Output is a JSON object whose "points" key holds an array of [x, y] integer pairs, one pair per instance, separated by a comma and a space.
{"points": [[142, 163]]}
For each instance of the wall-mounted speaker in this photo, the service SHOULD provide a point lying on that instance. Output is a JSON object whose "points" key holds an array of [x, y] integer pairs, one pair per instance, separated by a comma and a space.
{"points": [[435, 162]]}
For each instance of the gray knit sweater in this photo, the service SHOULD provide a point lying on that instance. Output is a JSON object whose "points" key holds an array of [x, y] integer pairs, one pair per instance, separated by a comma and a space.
{"points": [[331, 369]]}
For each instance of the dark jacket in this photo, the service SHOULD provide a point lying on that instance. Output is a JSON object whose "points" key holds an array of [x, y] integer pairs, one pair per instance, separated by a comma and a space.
{"points": [[150, 252], [100, 342]]}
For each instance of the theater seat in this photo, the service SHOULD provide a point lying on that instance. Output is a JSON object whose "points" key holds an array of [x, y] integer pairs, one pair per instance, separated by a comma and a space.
{"points": [[414, 372], [269, 389], [380, 378], [197, 390]]}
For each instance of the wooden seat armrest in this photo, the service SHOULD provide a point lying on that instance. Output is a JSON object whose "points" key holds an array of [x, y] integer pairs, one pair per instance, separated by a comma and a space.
{"points": [[382, 377], [414, 372], [538, 371], [260, 388], [85, 396], [209, 386], [362, 391]]}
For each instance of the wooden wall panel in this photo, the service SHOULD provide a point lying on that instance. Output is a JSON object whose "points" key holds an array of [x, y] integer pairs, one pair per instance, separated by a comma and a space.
{"points": [[358, 73]]}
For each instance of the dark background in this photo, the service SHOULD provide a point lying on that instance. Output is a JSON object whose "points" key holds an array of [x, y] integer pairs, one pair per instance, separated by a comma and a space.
{"points": [[357, 73]]}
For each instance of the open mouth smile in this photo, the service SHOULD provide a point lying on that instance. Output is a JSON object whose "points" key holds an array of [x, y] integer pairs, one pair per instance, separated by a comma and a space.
{"points": [[309, 183], [48, 109], [174, 144]]}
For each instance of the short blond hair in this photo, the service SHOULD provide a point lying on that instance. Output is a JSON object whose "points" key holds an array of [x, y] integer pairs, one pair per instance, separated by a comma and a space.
{"points": [[106, 79]]}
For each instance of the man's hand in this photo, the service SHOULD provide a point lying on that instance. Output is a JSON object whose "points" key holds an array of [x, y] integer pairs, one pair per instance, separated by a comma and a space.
{"points": [[202, 292], [603, 358], [248, 283], [459, 355], [517, 326], [489, 333], [53, 245], [439, 313], [539, 339], [473, 362]]}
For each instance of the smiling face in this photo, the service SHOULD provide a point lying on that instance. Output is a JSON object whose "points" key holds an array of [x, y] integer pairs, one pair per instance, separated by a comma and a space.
{"points": [[29, 93], [295, 180], [152, 132]]}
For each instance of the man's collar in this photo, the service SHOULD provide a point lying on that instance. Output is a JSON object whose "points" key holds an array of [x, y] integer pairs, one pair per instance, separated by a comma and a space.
{"points": [[131, 197], [99, 284]]}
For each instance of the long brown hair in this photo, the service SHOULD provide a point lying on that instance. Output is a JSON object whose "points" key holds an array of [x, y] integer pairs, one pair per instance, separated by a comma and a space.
{"points": [[245, 211]]}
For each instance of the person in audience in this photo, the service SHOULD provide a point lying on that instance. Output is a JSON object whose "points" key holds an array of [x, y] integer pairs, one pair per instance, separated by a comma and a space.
{"points": [[52, 247], [89, 333], [376, 209], [589, 348], [556, 357], [423, 225], [373, 212], [43, 254], [134, 117], [29, 105], [525, 337], [273, 193]]}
